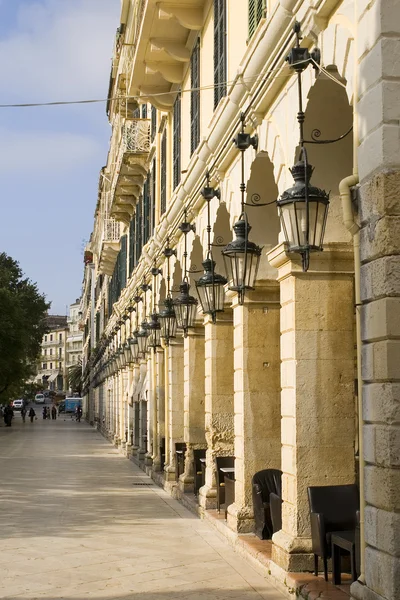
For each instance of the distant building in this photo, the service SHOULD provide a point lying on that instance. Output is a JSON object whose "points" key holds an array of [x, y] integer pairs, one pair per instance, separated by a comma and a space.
{"points": [[74, 336], [52, 368]]}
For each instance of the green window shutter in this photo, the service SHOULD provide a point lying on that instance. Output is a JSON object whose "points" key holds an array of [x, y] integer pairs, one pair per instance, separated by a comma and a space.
{"points": [[131, 245], [220, 56], [256, 13], [163, 182], [122, 266]]}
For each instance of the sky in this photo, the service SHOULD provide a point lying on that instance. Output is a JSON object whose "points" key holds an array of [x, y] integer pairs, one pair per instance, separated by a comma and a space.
{"points": [[50, 157]]}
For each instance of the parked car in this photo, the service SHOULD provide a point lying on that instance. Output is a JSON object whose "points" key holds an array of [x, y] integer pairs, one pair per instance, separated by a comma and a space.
{"points": [[61, 407], [18, 404], [39, 399]]}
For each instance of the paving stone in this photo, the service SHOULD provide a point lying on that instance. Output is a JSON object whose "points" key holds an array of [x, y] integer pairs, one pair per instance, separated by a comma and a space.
{"points": [[73, 526]]}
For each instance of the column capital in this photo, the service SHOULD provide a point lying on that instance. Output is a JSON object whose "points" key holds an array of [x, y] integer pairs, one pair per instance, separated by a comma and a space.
{"points": [[266, 292], [196, 331], [223, 318], [336, 258]]}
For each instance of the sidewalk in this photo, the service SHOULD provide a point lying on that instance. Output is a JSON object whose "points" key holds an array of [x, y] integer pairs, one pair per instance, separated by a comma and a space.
{"points": [[80, 521]]}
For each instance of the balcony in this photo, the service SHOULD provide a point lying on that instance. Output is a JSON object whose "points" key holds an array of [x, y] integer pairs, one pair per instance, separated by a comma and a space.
{"points": [[128, 165], [110, 246], [153, 53]]}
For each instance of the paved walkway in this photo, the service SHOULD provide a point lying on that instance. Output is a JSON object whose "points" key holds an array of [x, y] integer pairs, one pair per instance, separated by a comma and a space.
{"points": [[75, 524]]}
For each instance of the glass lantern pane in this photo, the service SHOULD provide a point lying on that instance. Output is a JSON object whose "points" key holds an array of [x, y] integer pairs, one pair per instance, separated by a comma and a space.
{"points": [[318, 214]]}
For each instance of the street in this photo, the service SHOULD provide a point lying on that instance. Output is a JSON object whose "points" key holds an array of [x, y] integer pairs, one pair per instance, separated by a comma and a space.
{"points": [[78, 520]]}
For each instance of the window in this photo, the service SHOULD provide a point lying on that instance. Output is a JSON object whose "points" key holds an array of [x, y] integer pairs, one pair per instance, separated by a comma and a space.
{"points": [[219, 50], [136, 113], [153, 122], [44, 366], [59, 365], [45, 338], [45, 351], [51, 337], [146, 210], [163, 182], [59, 351], [122, 264], [144, 111], [153, 195], [60, 337], [51, 366], [131, 245], [257, 10], [195, 98], [51, 351], [138, 232], [177, 141]]}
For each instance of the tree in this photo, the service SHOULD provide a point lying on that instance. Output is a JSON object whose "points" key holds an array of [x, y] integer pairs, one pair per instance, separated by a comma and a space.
{"points": [[75, 377], [22, 326]]}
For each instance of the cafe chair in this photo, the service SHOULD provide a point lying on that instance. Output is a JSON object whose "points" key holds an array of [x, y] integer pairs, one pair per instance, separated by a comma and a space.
{"points": [[197, 470], [333, 508], [265, 483], [222, 462]]}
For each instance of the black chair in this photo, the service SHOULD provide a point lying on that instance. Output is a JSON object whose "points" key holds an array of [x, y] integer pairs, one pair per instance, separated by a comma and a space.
{"points": [[222, 462], [276, 512], [180, 451], [265, 483], [162, 454], [333, 508], [197, 470]]}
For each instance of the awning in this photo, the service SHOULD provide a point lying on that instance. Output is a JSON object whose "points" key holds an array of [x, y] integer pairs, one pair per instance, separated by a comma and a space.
{"points": [[52, 377]]}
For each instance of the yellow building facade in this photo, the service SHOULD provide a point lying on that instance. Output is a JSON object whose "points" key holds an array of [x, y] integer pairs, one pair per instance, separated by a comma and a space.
{"points": [[299, 373]]}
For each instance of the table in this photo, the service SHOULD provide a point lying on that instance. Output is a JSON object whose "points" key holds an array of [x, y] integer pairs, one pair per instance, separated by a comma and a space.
{"points": [[229, 481], [343, 540]]}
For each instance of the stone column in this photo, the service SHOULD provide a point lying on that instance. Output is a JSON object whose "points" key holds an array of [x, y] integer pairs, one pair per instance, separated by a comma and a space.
{"points": [[317, 378], [379, 205], [257, 401], [151, 403], [136, 427], [159, 425], [194, 402], [175, 403], [218, 387], [135, 410], [123, 403]]}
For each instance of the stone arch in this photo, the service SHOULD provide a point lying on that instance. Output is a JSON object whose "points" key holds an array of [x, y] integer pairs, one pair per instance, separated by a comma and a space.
{"points": [[221, 235], [162, 289], [176, 276], [329, 112], [195, 268], [261, 189]]}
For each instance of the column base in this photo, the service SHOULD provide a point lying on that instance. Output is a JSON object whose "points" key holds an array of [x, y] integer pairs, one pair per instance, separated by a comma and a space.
{"points": [[134, 450], [156, 463], [148, 459], [169, 473], [141, 454], [292, 554], [208, 497], [186, 483], [240, 518]]}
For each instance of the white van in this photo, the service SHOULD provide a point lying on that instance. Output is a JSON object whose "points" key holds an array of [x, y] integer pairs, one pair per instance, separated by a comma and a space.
{"points": [[39, 399]]}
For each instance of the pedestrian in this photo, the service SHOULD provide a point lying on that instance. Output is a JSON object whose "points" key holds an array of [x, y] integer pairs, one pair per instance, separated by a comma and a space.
{"points": [[31, 414], [23, 413], [44, 412], [8, 415], [78, 413], [54, 412]]}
